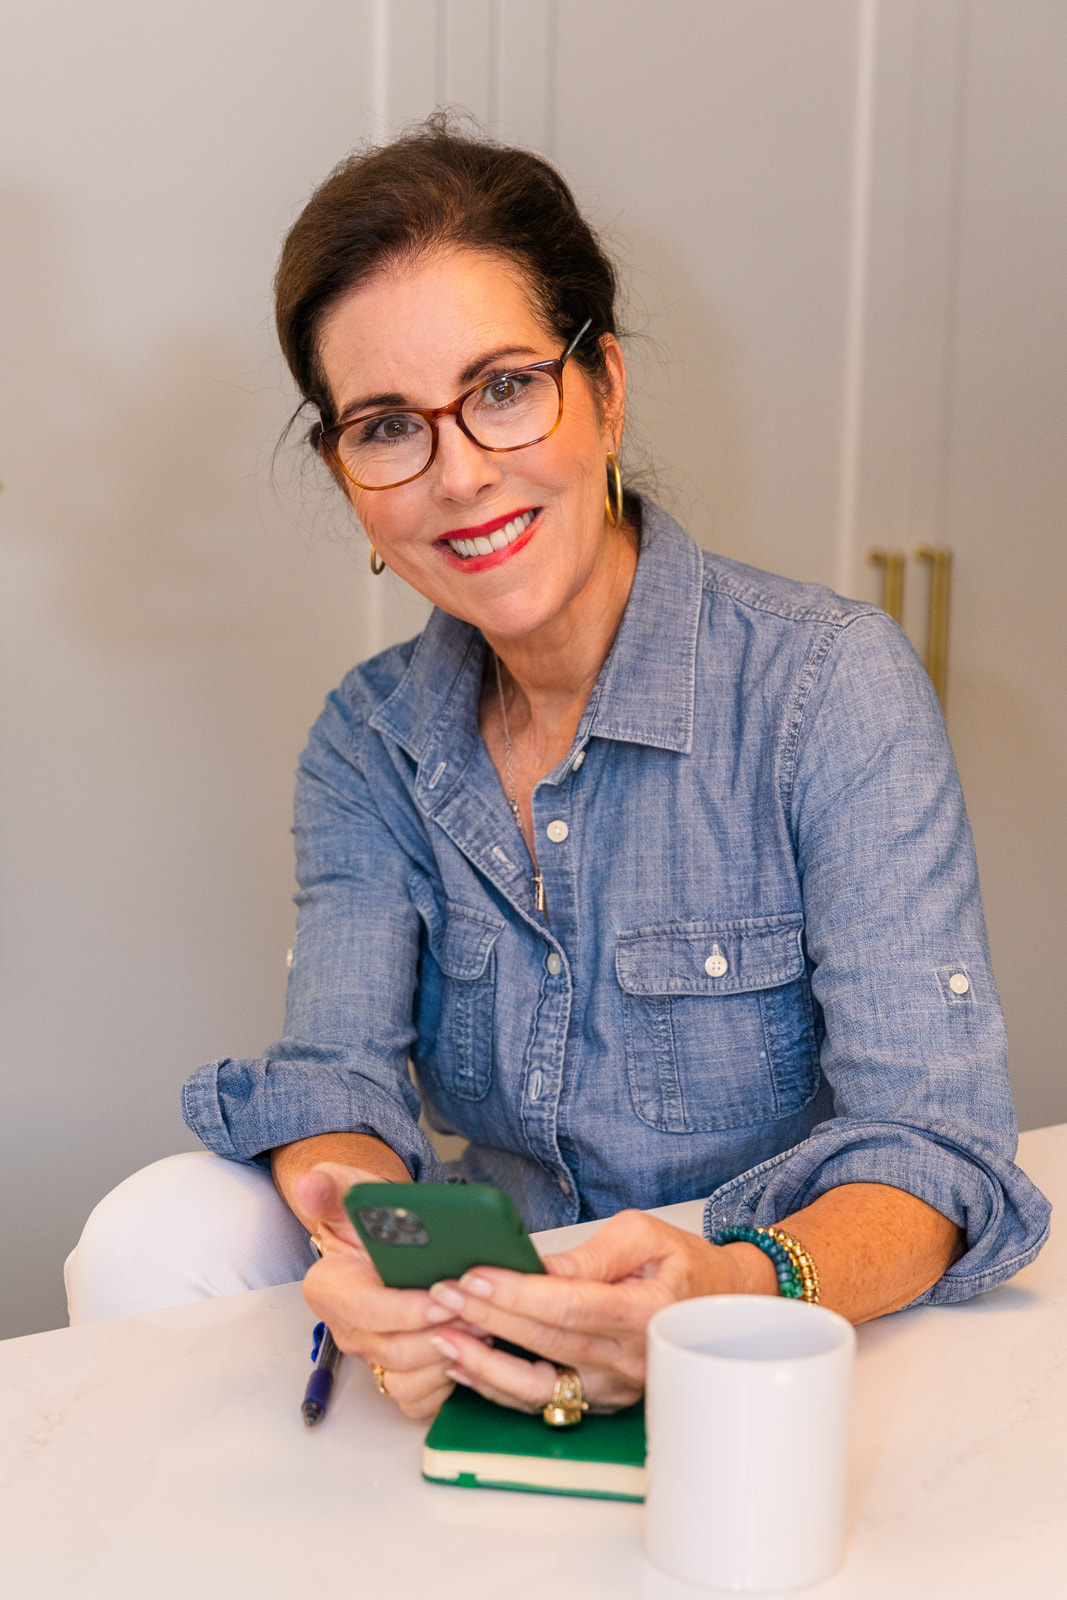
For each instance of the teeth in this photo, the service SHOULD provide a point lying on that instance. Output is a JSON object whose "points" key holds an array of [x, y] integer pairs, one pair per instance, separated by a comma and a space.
{"points": [[498, 540]]}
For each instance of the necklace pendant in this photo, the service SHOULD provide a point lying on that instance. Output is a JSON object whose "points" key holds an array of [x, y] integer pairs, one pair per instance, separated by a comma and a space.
{"points": [[539, 891]]}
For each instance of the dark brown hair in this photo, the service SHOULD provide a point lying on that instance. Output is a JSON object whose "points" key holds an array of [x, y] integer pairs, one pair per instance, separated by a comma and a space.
{"points": [[437, 188]]}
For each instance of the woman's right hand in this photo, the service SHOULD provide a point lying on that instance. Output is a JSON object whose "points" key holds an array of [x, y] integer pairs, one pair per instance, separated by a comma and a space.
{"points": [[389, 1328]]}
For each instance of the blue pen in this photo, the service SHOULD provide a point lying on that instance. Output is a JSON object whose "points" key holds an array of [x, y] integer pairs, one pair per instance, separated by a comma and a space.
{"points": [[326, 1357]]}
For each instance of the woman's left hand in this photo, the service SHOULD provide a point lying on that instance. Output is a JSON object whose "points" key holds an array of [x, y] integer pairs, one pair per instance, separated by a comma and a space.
{"points": [[589, 1312]]}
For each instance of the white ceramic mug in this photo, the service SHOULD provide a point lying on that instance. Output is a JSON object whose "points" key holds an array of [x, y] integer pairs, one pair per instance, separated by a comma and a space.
{"points": [[747, 1410]]}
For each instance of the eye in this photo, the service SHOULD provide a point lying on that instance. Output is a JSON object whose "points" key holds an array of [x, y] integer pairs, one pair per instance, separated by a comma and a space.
{"points": [[504, 390], [387, 429]]}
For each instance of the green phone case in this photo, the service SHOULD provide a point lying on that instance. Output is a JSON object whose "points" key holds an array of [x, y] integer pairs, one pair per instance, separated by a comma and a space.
{"points": [[448, 1228]]}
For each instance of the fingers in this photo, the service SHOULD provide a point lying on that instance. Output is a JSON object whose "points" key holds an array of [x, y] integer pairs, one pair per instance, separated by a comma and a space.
{"points": [[421, 1393], [512, 1305], [347, 1293], [607, 1358], [529, 1385], [507, 1380], [630, 1244], [592, 1307], [385, 1327], [390, 1328], [319, 1194]]}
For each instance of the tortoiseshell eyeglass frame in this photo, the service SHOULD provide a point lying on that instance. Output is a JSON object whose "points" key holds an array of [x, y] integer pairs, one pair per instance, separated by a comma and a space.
{"points": [[329, 439]]}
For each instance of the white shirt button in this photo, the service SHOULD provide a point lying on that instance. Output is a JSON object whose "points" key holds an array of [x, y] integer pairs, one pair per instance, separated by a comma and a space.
{"points": [[716, 964], [557, 832], [535, 1086], [564, 1183], [554, 963], [959, 983], [576, 763]]}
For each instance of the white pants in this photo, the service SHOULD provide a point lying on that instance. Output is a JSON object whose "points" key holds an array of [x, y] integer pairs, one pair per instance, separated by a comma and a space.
{"points": [[186, 1228]]}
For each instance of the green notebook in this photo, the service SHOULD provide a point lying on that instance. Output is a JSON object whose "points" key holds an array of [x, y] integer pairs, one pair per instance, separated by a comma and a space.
{"points": [[479, 1445]]}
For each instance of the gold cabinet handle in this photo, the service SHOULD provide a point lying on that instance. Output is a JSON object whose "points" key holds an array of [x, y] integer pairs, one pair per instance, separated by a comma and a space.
{"points": [[891, 563], [939, 560]]}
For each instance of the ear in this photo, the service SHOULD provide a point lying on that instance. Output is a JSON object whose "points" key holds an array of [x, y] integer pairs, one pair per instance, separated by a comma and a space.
{"points": [[614, 399]]}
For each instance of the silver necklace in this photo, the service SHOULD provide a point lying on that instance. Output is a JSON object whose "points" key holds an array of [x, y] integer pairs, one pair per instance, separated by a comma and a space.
{"points": [[512, 792]]}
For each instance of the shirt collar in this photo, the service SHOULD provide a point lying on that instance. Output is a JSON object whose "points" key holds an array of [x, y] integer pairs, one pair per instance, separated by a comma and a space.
{"points": [[646, 691], [644, 694]]}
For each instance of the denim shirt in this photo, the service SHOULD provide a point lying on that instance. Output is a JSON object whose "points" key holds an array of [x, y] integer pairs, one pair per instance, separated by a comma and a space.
{"points": [[763, 971]]}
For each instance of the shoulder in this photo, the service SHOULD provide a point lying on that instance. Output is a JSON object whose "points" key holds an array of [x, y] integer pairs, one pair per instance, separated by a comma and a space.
{"points": [[828, 637], [781, 600], [761, 599], [797, 664], [372, 682], [342, 727]]}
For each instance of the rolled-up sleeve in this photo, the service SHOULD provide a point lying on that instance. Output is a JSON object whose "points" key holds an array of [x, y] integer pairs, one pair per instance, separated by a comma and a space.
{"points": [[913, 1047], [342, 1065]]}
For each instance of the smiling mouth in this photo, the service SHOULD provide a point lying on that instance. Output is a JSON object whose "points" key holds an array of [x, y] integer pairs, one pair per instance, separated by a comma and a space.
{"points": [[486, 544]]}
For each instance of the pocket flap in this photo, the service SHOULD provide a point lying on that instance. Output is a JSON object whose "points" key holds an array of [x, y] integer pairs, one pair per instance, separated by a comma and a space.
{"points": [[711, 957], [467, 940], [460, 937]]}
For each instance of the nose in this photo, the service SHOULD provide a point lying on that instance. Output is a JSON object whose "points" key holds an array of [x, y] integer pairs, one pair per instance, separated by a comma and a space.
{"points": [[461, 470]]}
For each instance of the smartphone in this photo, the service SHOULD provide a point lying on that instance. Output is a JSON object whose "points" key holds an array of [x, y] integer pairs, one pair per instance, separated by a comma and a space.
{"points": [[418, 1233]]}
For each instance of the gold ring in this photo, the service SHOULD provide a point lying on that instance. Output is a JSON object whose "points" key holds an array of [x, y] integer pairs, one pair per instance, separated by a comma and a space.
{"points": [[568, 1401], [379, 1378]]}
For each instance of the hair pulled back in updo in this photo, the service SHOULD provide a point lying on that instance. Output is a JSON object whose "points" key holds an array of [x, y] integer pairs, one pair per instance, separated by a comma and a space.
{"points": [[439, 188]]}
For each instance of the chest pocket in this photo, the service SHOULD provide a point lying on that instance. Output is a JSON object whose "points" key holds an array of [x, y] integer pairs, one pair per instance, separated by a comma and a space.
{"points": [[455, 1001], [719, 1023]]}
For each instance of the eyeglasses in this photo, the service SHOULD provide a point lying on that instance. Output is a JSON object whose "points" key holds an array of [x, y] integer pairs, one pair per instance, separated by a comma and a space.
{"points": [[383, 449]]}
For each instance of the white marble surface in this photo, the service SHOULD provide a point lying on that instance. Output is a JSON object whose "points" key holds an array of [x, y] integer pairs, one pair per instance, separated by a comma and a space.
{"points": [[164, 1455]]}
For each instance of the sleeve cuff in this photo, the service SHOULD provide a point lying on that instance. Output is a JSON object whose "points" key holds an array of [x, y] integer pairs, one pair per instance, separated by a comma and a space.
{"points": [[245, 1109], [1005, 1216]]}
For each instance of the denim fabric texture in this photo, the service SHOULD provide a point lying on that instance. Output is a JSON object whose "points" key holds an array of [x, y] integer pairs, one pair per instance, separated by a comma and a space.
{"points": [[742, 986]]}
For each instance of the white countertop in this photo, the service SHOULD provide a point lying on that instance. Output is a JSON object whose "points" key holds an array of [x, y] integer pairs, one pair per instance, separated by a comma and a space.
{"points": [[164, 1456]]}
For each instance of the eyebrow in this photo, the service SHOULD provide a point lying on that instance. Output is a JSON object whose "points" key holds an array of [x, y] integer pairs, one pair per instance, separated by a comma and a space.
{"points": [[376, 402]]}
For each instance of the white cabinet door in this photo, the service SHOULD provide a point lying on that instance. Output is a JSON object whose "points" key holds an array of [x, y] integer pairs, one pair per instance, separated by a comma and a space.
{"points": [[963, 443], [1005, 476]]}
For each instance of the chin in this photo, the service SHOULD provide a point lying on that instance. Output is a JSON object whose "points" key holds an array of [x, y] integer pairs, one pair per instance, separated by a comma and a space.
{"points": [[515, 620]]}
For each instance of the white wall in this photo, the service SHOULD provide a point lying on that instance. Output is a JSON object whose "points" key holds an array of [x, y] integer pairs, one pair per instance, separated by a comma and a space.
{"points": [[170, 621]]}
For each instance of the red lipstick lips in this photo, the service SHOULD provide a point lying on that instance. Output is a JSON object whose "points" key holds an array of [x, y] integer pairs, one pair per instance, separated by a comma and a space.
{"points": [[481, 563]]}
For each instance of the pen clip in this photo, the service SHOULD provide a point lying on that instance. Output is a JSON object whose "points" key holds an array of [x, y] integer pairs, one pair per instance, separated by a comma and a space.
{"points": [[317, 1336]]}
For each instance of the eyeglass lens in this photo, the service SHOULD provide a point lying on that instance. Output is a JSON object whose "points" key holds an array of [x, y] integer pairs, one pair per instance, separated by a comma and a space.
{"points": [[507, 413]]}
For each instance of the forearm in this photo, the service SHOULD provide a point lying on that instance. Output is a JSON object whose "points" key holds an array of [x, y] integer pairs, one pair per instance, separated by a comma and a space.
{"points": [[876, 1249], [362, 1150]]}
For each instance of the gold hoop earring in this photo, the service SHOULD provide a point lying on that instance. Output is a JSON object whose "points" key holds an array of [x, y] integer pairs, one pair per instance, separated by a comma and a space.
{"points": [[377, 565], [613, 501]]}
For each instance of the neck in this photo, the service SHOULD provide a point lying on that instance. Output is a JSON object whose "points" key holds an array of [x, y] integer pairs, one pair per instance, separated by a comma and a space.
{"points": [[549, 674]]}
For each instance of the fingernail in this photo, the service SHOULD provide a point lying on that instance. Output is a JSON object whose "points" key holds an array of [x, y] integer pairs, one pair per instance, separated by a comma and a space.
{"points": [[447, 1297], [458, 1377], [479, 1286], [445, 1348], [436, 1313]]}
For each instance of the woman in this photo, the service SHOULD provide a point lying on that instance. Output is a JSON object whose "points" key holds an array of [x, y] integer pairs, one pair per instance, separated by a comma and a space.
{"points": [[655, 866]]}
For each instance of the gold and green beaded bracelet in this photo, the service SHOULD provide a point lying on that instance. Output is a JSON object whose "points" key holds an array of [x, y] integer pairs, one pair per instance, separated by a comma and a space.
{"points": [[793, 1265]]}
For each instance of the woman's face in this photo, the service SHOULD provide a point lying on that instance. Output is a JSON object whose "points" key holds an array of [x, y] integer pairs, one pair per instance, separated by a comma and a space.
{"points": [[423, 334]]}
